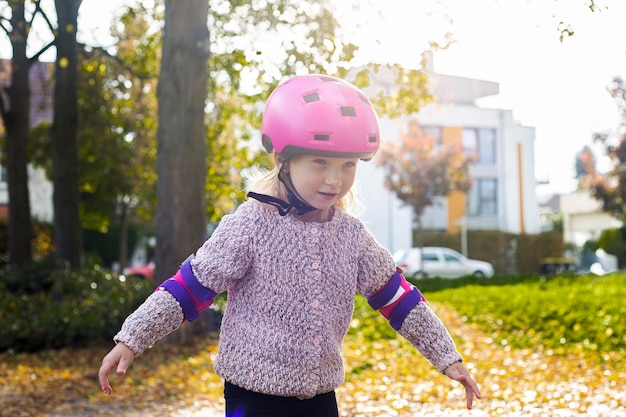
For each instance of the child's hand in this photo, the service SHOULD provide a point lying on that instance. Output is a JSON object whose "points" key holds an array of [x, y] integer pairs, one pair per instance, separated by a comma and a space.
{"points": [[121, 356], [458, 372]]}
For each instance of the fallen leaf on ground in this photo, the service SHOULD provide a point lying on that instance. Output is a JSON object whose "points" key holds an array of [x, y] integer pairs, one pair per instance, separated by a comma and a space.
{"points": [[383, 379]]}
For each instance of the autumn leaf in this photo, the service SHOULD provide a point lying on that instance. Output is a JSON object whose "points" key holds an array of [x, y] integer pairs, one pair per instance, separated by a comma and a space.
{"points": [[385, 376]]}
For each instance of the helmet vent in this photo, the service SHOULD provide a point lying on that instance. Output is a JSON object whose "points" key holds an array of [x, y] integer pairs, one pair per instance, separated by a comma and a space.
{"points": [[324, 138], [364, 100], [267, 143], [372, 139], [311, 97], [328, 79], [348, 111]]}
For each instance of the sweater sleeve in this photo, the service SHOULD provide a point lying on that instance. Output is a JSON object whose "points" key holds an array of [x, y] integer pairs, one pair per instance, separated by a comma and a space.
{"points": [[222, 257], [158, 316], [428, 334], [375, 263], [228, 254], [422, 327]]}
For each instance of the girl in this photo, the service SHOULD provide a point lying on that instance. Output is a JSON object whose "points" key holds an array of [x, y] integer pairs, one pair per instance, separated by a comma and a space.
{"points": [[292, 260]]}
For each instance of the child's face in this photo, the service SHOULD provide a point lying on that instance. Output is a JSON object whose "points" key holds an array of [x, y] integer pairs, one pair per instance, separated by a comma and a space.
{"points": [[322, 181]]}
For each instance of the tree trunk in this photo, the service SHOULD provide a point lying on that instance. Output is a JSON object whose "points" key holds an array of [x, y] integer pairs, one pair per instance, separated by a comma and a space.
{"points": [[66, 197], [15, 114], [181, 158], [122, 255], [181, 164]]}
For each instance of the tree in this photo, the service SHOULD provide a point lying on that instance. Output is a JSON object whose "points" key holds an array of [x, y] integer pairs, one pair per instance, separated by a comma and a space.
{"points": [[64, 137], [417, 169], [585, 168], [408, 94], [14, 108], [117, 131], [181, 165], [610, 187], [117, 116]]}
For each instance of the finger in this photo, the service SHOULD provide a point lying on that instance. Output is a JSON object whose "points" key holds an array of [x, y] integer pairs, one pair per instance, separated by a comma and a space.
{"points": [[107, 389], [103, 377], [471, 389], [124, 363], [471, 386], [469, 395]]}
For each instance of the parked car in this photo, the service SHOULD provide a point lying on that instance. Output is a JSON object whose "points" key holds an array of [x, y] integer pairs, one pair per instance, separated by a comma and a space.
{"points": [[439, 262], [141, 271]]}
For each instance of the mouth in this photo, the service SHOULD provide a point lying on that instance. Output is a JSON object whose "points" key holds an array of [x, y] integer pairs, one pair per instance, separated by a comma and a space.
{"points": [[328, 196]]}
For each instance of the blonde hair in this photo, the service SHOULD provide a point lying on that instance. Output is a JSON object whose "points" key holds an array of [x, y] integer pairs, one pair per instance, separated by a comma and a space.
{"points": [[263, 181]]}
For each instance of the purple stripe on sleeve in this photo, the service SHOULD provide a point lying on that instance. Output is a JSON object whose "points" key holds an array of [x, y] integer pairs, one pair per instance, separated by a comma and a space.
{"points": [[183, 297], [386, 293], [199, 291], [399, 313]]}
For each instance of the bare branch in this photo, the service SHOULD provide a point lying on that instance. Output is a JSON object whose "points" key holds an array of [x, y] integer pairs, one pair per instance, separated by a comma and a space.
{"points": [[43, 15], [41, 51], [3, 22]]}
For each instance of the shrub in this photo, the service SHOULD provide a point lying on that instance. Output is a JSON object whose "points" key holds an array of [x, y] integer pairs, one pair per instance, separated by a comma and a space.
{"points": [[69, 308], [613, 241], [42, 245]]}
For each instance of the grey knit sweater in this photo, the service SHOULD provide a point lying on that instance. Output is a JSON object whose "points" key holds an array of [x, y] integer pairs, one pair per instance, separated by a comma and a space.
{"points": [[291, 288]]}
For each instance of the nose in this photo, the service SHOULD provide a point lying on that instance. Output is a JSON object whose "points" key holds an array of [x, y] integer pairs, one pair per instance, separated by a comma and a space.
{"points": [[333, 177]]}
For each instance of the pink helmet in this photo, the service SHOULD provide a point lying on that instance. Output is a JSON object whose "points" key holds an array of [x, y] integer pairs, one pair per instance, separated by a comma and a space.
{"points": [[320, 115]]}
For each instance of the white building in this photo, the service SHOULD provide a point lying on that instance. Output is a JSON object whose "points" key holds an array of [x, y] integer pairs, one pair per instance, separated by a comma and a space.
{"points": [[503, 195], [583, 218]]}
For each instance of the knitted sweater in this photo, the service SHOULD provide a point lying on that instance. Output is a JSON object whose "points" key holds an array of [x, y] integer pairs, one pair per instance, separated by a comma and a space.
{"points": [[291, 288]]}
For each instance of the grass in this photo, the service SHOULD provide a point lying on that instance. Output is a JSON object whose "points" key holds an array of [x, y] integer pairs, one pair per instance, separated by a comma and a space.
{"points": [[563, 314]]}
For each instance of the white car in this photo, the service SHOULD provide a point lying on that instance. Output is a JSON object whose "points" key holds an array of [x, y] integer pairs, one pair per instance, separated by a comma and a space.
{"points": [[439, 262]]}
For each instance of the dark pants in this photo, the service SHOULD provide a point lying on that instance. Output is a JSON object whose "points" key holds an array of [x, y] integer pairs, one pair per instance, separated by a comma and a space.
{"points": [[244, 403]]}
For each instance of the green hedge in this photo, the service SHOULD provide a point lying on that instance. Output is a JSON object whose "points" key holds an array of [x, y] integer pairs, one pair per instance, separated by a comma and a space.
{"points": [[508, 253], [65, 307]]}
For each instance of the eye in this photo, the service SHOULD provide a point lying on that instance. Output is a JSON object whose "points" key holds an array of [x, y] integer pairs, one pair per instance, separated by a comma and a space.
{"points": [[319, 161]]}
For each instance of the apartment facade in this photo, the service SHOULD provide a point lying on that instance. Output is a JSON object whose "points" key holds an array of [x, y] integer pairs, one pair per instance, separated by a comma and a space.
{"points": [[503, 193]]}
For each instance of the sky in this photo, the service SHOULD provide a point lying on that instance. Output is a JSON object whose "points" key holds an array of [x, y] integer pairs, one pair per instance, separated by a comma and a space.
{"points": [[559, 88]]}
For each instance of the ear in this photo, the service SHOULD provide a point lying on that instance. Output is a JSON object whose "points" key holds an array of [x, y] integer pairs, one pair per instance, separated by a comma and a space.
{"points": [[278, 160]]}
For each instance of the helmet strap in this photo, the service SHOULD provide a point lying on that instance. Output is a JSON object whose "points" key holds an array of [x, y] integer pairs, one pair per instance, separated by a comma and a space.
{"points": [[300, 206], [282, 206], [295, 201]]}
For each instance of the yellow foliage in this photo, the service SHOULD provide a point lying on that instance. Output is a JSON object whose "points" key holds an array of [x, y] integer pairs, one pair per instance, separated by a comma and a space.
{"points": [[383, 378]]}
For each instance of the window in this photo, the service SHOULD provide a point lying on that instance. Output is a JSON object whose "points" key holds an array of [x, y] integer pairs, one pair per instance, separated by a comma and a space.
{"points": [[483, 198], [451, 258], [429, 256], [3, 174], [481, 143]]}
